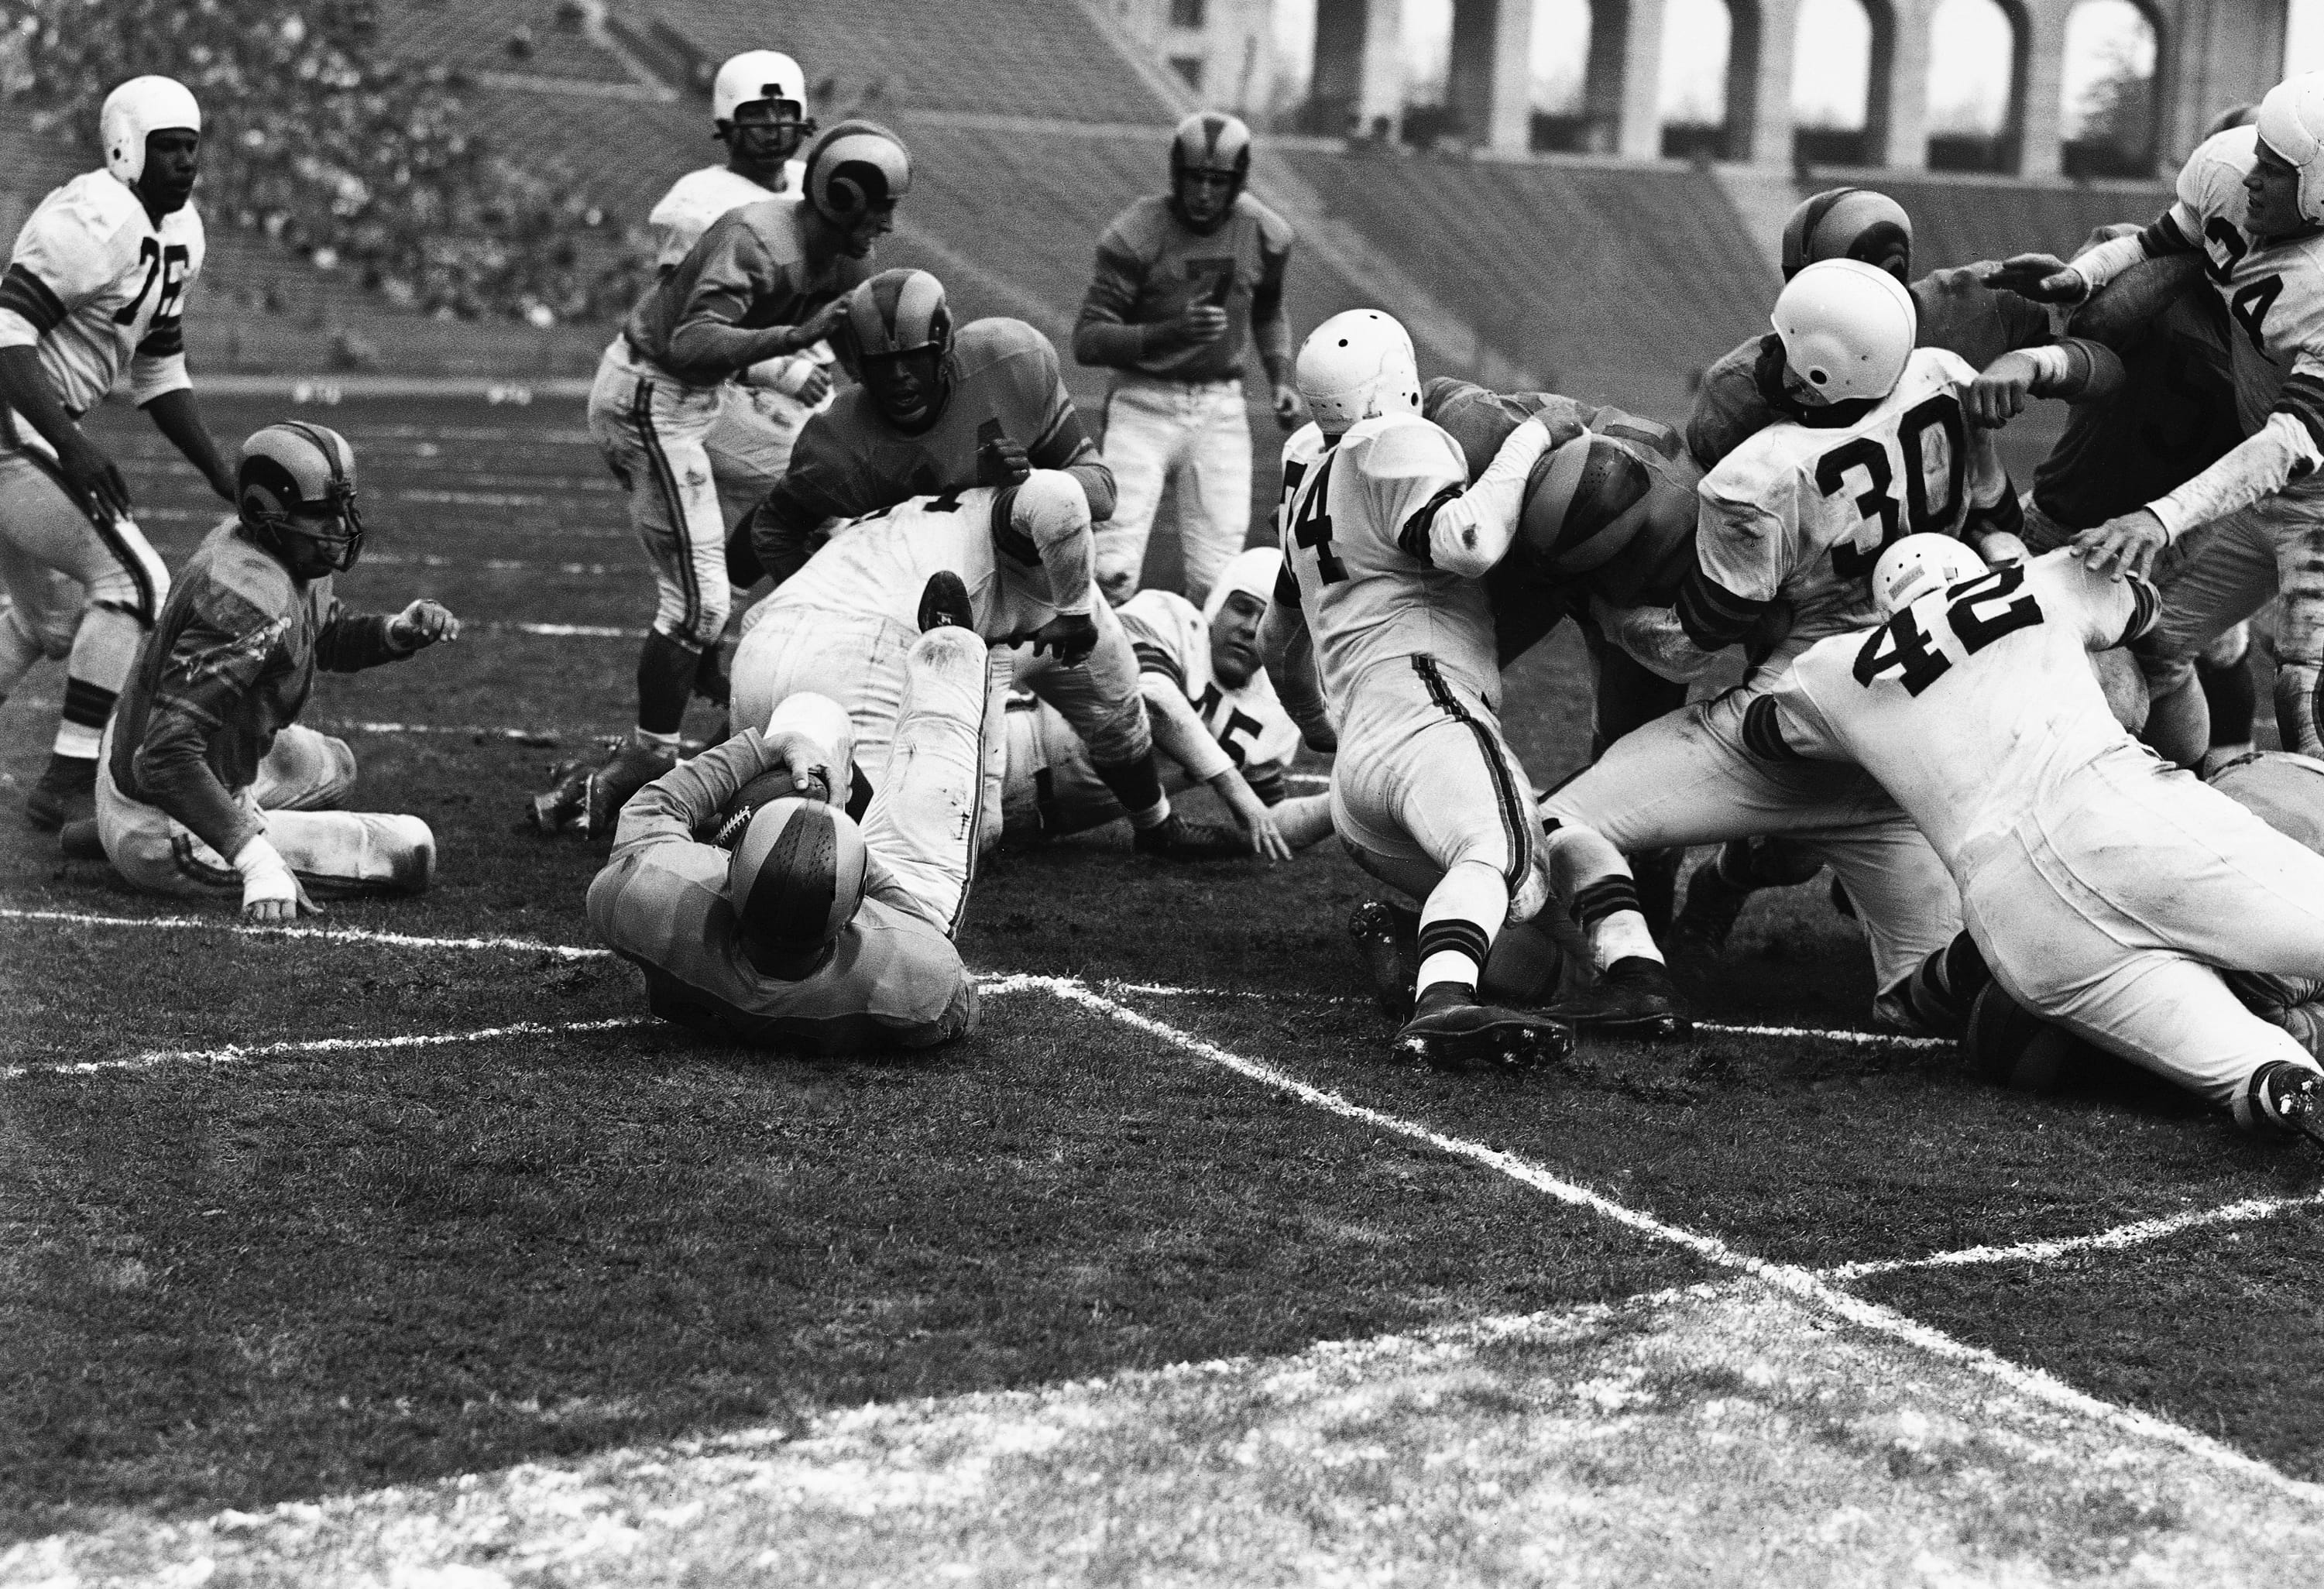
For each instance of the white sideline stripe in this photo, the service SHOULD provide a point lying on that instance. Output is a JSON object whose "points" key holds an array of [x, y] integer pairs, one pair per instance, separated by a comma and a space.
{"points": [[353, 934], [233, 1052], [566, 631], [1870, 1040], [537, 737], [2136, 1234], [1788, 1278]]}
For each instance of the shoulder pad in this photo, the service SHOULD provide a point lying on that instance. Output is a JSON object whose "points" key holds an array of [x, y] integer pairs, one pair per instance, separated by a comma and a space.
{"points": [[1938, 365], [1274, 231], [1403, 446], [246, 585], [997, 336]]}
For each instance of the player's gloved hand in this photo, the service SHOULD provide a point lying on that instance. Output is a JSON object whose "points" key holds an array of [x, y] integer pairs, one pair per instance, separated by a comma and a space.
{"points": [[1003, 461], [2125, 545], [1251, 815], [93, 478], [1999, 394], [2042, 277], [1290, 408], [1071, 635], [271, 894], [422, 623], [1196, 326]]}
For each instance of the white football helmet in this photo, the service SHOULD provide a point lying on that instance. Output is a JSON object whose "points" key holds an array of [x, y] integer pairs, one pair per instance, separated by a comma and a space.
{"points": [[1848, 329], [761, 76], [1918, 564], [2292, 122], [139, 106], [1357, 365]]}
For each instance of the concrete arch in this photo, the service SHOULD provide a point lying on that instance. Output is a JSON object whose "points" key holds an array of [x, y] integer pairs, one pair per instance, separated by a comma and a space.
{"points": [[1840, 109], [2112, 70], [1982, 127]]}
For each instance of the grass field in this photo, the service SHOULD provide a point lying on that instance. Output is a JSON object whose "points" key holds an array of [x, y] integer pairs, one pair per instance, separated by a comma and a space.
{"points": [[404, 1250]]}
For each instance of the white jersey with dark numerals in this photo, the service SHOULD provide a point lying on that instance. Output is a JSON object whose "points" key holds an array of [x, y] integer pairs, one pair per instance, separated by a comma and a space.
{"points": [[699, 198], [1368, 600], [98, 288], [1169, 637], [1802, 511], [1976, 704], [2274, 289]]}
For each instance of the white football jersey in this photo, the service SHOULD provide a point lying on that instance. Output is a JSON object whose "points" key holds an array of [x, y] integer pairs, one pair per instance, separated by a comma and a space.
{"points": [[699, 198], [1973, 705], [1802, 511], [2273, 290], [1367, 598], [1169, 637], [878, 566], [99, 289]]}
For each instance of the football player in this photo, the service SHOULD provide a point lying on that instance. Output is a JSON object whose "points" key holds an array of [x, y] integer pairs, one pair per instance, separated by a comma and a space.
{"points": [[1186, 282], [840, 627], [762, 913], [937, 410], [2101, 888], [1380, 640], [2250, 202], [758, 105], [765, 281], [209, 786], [1213, 712], [1956, 310], [1791, 525], [96, 288]]}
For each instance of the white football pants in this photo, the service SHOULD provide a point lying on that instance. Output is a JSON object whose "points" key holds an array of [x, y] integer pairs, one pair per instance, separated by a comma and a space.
{"points": [[652, 432], [749, 444], [1199, 429], [337, 854]]}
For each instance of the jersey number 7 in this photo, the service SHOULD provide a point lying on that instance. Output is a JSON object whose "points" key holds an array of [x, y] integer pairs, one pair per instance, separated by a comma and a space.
{"points": [[1981, 612], [1311, 526]]}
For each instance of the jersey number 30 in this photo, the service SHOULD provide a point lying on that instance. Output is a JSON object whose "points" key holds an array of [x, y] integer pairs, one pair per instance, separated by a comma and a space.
{"points": [[1981, 612], [1922, 512]]}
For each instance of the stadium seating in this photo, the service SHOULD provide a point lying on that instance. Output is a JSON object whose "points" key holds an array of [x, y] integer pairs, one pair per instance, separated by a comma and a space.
{"points": [[1959, 222]]}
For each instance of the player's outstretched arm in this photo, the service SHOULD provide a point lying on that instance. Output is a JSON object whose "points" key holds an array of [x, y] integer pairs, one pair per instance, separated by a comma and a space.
{"points": [[683, 800], [2074, 370], [89, 474], [1286, 651], [2289, 444], [178, 417]]}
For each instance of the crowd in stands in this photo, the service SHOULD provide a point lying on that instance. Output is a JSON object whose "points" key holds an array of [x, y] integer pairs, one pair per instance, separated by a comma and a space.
{"points": [[355, 159]]}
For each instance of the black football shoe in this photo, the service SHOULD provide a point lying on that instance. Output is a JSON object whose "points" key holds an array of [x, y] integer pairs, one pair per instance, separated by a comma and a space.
{"points": [[1175, 838], [610, 786], [66, 791], [560, 805], [943, 599], [1449, 1030], [2293, 1096], [79, 841], [1712, 905], [1391, 958], [1635, 998]]}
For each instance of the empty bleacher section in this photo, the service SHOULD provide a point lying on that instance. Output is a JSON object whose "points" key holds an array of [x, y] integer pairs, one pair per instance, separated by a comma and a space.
{"points": [[544, 38], [1959, 222]]}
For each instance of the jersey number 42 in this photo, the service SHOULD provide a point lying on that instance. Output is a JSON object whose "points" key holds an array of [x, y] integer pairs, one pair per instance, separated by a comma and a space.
{"points": [[1981, 611]]}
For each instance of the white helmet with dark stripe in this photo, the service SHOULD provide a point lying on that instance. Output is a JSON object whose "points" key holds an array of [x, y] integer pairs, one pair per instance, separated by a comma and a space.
{"points": [[2292, 124], [855, 167], [138, 109], [795, 878], [295, 488], [761, 77]]}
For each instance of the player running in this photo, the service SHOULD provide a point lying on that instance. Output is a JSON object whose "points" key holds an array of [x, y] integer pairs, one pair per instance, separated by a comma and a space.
{"points": [[766, 280], [1387, 545], [209, 785], [2102, 888], [762, 913], [2250, 203], [758, 105], [1792, 523], [841, 625], [96, 288], [1186, 282], [1213, 710]]}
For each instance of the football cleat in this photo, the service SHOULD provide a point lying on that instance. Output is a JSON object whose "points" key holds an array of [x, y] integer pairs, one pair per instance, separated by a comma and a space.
{"points": [[944, 600], [1712, 906], [610, 786], [2292, 1095], [66, 791], [1175, 838], [1391, 958], [1635, 997], [1449, 1030], [79, 841], [560, 806]]}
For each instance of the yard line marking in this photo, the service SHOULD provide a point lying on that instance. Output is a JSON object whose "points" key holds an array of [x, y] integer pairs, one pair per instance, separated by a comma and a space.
{"points": [[234, 1052], [538, 738], [351, 935], [1788, 1278], [564, 631], [1873, 1039], [2136, 1234]]}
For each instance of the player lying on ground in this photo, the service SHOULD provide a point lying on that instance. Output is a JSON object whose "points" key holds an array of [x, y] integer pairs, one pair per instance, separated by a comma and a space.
{"points": [[760, 913], [1214, 714], [95, 289], [758, 108], [208, 785], [1187, 284], [840, 628], [2250, 204], [1792, 523], [1388, 653], [765, 281], [2103, 889]]}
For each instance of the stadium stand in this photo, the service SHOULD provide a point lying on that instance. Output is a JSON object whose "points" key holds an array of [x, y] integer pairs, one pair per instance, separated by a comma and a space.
{"points": [[1960, 222], [545, 37]]}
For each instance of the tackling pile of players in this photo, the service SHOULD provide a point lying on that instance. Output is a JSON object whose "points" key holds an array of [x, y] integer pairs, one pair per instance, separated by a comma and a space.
{"points": [[1994, 719]]}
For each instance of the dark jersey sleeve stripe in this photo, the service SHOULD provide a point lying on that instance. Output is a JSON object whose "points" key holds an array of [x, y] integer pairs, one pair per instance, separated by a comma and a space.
{"points": [[165, 339], [26, 294], [1763, 732], [1153, 658], [1414, 537], [2302, 398], [1713, 617]]}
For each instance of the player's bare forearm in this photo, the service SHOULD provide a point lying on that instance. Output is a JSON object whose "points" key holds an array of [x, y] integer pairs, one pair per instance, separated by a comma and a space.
{"points": [[178, 417], [25, 388], [2118, 314]]}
